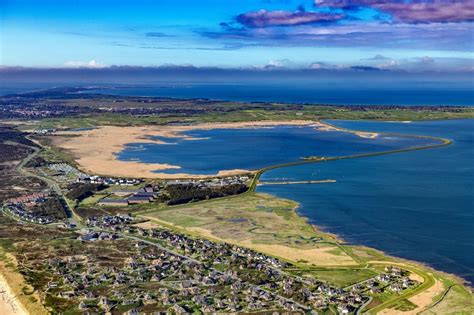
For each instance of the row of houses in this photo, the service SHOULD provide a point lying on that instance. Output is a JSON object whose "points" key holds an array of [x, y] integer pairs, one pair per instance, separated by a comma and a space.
{"points": [[46, 131], [21, 207], [65, 169], [307, 291], [186, 284], [94, 179], [211, 182], [30, 199], [268, 285], [21, 212]]}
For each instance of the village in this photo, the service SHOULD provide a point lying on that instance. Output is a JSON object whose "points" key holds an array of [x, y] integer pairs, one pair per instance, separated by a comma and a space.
{"points": [[177, 191], [77, 186], [164, 270], [191, 274], [40, 208]]}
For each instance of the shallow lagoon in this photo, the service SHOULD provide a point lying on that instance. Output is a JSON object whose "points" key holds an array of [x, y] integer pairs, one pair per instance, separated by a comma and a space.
{"points": [[417, 205], [254, 148]]}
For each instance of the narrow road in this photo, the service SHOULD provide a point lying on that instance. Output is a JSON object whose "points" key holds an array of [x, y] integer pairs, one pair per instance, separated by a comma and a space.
{"points": [[361, 308], [21, 168], [54, 186]]}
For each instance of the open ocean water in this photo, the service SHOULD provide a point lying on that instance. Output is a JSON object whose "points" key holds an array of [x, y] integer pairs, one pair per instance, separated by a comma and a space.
{"points": [[339, 93], [353, 93]]}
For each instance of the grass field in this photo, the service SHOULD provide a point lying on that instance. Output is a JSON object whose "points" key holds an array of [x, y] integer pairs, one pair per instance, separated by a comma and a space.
{"points": [[260, 221], [259, 217], [279, 113], [341, 277], [456, 299]]}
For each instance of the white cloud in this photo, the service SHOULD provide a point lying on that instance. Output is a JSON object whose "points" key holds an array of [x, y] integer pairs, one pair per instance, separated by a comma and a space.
{"points": [[320, 65], [84, 64], [275, 63], [389, 64], [426, 60]]}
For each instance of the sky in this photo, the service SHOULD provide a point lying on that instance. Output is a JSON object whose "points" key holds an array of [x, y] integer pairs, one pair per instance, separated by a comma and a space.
{"points": [[401, 35]]}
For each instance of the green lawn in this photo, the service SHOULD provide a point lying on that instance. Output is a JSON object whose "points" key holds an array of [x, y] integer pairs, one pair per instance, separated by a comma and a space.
{"points": [[341, 277], [281, 112]]}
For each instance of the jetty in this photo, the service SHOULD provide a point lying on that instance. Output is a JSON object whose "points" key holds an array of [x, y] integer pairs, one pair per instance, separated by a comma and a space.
{"points": [[322, 181]]}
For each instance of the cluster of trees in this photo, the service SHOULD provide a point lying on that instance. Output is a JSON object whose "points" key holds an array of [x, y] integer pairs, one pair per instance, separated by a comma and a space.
{"points": [[37, 161], [52, 207], [178, 194], [81, 191]]}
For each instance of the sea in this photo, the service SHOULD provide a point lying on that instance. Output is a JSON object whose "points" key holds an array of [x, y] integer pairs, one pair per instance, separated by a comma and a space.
{"points": [[337, 93], [355, 93]]}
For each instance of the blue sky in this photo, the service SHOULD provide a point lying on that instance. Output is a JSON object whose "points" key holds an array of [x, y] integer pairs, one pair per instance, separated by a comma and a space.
{"points": [[409, 36]]}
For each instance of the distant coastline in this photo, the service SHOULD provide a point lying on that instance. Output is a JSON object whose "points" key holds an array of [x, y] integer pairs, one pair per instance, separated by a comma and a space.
{"points": [[322, 94]]}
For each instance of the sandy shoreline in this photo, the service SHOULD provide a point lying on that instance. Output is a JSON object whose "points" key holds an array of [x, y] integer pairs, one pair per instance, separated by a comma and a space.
{"points": [[95, 150], [9, 304]]}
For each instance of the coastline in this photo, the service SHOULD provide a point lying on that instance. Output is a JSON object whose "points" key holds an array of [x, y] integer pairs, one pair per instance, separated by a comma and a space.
{"points": [[17, 297], [429, 296], [432, 291], [95, 150], [9, 304]]}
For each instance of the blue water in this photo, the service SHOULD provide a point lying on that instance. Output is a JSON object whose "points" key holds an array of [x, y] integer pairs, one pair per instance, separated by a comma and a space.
{"points": [[348, 92], [254, 148], [417, 205], [318, 93]]}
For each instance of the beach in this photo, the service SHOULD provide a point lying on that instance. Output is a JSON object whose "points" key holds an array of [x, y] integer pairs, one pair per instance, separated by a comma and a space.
{"points": [[95, 150], [9, 303]]}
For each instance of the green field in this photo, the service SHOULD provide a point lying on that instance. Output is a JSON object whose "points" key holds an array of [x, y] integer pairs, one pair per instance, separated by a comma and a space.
{"points": [[279, 113], [259, 217], [341, 277]]}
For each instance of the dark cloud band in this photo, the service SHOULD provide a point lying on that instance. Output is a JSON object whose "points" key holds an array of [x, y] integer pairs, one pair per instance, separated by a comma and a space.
{"points": [[264, 18], [415, 11]]}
